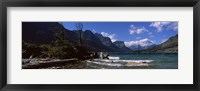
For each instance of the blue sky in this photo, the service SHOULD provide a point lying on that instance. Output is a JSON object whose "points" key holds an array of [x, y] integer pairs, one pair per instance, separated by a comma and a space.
{"points": [[130, 32]]}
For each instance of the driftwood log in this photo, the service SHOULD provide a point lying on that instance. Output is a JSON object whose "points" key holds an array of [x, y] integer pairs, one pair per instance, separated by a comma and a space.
{"points": [[45, 64]]}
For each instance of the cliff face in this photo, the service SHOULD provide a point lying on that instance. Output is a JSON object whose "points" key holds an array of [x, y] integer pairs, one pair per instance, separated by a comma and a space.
{"points": [[94, 42], [107, 42], [122, 46]]}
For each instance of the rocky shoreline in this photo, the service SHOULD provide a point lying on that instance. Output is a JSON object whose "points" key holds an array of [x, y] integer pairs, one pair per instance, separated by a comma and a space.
{"points": [[73, 63]]}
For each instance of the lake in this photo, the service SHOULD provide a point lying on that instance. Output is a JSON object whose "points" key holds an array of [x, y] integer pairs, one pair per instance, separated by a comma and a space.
{"points": [[160, 61]]}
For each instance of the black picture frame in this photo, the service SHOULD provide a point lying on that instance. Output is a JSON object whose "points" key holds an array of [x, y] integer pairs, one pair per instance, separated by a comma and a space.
{"points": [[100, 3]]}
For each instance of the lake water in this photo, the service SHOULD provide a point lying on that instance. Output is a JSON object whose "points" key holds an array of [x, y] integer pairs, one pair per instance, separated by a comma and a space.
{"points": [[159, 61]]}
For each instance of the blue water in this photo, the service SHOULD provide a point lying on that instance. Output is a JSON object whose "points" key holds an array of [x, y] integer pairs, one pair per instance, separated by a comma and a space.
{"points": [[161, 61]]}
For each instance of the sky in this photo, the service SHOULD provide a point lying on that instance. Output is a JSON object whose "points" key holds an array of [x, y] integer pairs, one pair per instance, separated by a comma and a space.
{"points": [[131, 33]]}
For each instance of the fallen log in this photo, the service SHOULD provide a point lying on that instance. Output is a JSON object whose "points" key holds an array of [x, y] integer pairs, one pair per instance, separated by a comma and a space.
{"points": [[45, 64]]}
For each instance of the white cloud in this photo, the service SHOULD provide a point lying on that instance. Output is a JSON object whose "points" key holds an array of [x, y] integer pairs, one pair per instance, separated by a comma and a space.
{"points": [[111, 36], [137, 30], [150, 33], [160, 26], [105, 34], [142, 42]]}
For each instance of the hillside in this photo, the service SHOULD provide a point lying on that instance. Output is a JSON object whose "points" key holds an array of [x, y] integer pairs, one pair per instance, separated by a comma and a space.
{"points": [[94, 42], [122, 46], [169, 46], [39, 32], [107, 42]]}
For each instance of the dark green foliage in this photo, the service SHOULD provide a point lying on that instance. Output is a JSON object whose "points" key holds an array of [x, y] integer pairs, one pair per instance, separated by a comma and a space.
{"points": [[45, 51], [62, 52], [29, 50], [49, 51], [61, 48]]}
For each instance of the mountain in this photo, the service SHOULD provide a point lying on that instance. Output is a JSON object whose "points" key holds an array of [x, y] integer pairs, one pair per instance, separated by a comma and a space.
{"points": [[140, 44], [44, 33], [94, 42], [108, 43], [139, 47], [122, 46], [169, 46], [71, 36], [39, 32]]}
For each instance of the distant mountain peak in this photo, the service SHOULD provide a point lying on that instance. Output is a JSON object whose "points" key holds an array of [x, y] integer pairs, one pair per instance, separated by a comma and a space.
{"points": [[88, 31], [140, 44]]}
